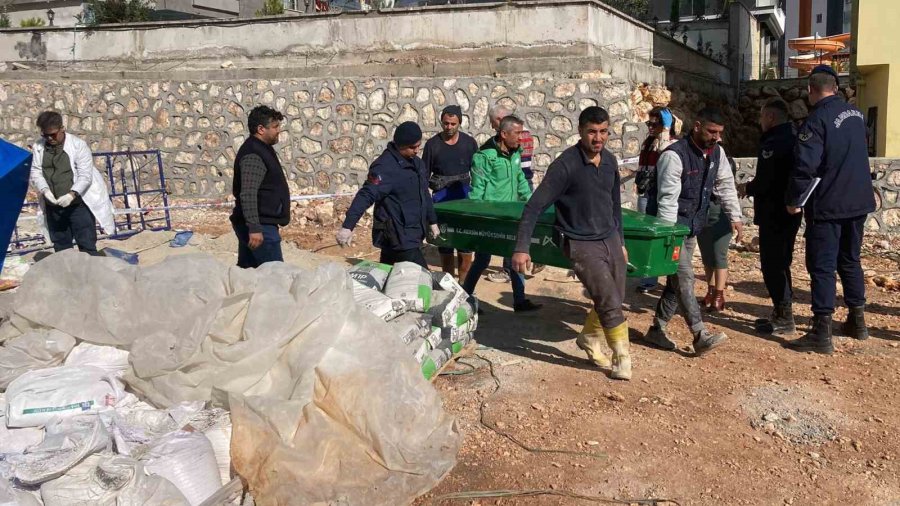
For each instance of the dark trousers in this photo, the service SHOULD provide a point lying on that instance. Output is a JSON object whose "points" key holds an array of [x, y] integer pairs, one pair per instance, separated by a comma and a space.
{"points": [[268, 251], [776, 253], [679, 292], [831, 246], [414, 255], [481, 263], [74, 222], [600, 266]]}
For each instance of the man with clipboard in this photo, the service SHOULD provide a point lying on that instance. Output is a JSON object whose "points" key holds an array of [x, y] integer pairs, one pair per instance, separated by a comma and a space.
{"points": [[832, 182]]}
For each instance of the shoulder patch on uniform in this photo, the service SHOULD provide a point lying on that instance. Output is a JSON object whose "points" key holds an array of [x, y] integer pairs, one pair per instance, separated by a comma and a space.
{"points": [[805, 136], [374, 178], [850, 113], [766, 154]]}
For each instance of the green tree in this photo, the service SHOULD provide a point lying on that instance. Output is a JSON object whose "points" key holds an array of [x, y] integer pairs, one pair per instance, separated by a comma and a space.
{"points": [[32, 23], [271, 8], [4, 19], [101, 12]]}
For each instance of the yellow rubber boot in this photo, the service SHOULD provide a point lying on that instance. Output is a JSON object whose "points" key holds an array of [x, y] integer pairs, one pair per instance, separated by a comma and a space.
{"points": [[591, 340], [617, 339]]}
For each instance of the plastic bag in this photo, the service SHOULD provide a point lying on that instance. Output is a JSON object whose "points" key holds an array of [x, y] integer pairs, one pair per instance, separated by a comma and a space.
{"points": [[66, 443], [108, 358], [377, 303], [187, 460], [370, 274], [34, 350], [110, 480], [12, 496], [16, 440], [38, 396], [410, 283], [447, 299]]}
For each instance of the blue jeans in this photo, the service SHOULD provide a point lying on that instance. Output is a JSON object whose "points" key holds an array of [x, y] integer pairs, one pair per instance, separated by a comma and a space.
{"points": [[482, 261], [268, 251], [642, 208]]}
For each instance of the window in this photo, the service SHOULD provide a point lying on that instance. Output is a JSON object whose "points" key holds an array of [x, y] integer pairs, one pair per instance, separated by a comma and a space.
{"points": [[818, 18]]}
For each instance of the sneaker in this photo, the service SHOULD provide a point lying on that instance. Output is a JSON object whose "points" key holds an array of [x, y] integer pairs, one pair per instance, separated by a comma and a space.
{"points": [[498, 277], [705, 341], [526, 305], [657, 337]]}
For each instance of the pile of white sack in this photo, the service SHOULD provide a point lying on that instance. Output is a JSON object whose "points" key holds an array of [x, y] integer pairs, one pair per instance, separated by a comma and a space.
{"points": [[434, 317], [127, 385]]}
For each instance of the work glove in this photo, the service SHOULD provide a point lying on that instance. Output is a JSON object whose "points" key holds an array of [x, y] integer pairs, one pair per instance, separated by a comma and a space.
{"points": [[48, 196], [435, 231], [65, 200], [344, 236]]}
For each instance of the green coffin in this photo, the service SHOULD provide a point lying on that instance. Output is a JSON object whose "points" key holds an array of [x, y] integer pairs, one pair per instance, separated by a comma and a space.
{"points": [[490, 227]]}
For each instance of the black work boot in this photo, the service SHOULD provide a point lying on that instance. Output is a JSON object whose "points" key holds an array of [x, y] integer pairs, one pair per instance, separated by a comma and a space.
{"points": [[855, 326], [783, 323], [765, 325], [817, 340], [780, 324]]}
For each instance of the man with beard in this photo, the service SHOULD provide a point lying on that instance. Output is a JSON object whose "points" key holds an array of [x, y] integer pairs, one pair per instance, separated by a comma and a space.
{"points": [[448, 160], [261, 193], [689, 173], [584, 185]]}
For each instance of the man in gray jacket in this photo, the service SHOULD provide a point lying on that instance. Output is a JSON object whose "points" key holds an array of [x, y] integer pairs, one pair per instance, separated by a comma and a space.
{"points": [[689, 172]]}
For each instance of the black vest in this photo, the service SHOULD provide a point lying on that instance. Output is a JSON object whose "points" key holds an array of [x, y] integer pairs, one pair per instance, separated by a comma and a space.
{"points": [[274, 196], [698, 177]]}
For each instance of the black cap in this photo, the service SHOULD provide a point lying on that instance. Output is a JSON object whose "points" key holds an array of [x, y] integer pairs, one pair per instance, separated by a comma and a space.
{"points": [[453, 110], [407, 134], [824, 69]]}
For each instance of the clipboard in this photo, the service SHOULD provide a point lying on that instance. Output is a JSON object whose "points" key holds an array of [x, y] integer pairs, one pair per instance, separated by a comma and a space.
{"points": [[809, 191]]}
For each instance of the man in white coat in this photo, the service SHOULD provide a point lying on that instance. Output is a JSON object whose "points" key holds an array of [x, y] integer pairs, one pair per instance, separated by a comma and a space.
{"points": [[73, 193]]}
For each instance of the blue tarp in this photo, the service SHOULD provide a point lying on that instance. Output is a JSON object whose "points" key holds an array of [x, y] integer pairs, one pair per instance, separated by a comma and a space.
{"points": [[15, 163]]}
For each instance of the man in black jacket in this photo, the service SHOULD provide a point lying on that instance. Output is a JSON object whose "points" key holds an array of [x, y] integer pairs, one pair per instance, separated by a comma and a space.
{"points": [[261, 193], [832, 182], [398, 187], [777, 228]]}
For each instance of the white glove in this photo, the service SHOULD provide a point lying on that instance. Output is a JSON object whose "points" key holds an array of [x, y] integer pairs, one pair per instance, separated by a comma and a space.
{"points": [[65, 200], [435, 231], [344, 236], [48, 196]]}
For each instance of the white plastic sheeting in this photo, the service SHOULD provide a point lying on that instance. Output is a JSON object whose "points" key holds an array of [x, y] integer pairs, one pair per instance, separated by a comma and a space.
{"points": [[326, 403]]}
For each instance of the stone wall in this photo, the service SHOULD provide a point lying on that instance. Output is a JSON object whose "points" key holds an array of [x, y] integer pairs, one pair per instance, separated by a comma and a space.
{"points": [[754, 94], [886, 180], [334, 128]]}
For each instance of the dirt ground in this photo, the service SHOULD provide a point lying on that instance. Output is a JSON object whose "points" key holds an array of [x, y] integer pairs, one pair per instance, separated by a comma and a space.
{"points": [[750, 423]]}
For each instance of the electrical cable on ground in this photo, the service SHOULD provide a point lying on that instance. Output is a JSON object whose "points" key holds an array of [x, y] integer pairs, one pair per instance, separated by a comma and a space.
{"points": [[484, 494], [483, 420]]}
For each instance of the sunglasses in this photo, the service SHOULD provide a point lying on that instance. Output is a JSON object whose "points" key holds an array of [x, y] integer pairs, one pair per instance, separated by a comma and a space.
{"points": [[50, 135]]}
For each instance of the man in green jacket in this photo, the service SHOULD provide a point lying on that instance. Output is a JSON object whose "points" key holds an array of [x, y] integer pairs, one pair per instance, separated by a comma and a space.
{"points": [[497, 176]]}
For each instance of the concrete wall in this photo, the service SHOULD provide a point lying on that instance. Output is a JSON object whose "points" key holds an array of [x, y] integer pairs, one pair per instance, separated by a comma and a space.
{"points": [[334, 128], [886, 174], [688, 69], [463, 28]]}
